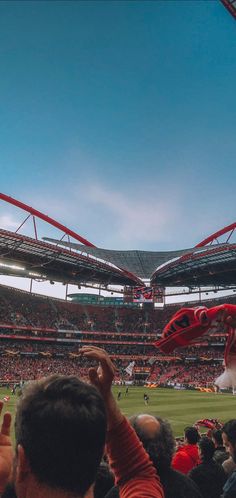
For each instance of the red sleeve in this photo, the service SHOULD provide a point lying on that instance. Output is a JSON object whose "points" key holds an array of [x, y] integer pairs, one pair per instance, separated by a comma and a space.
{"points": [[135, 474]]}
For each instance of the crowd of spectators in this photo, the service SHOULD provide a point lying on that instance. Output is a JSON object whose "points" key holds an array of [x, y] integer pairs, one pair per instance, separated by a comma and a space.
{"points": [[203, 375], [22, 308], [15, 369], [44, 334], [71, 419]]}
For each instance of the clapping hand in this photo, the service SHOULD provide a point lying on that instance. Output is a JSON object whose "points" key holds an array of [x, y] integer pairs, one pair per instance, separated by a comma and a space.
{"points": [[103, 375]]}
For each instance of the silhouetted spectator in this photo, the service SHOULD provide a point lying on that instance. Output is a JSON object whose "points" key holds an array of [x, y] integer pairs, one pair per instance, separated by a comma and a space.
{"points": [[209, 476], [220, 454], [229, 439]]}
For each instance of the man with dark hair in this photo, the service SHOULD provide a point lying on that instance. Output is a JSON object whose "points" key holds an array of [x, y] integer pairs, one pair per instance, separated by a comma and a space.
{"points": [[61, 425], [209, 476], [60, 429], [186, 457], [220, 454], [191, 435], [158, 440], [229, 439]]}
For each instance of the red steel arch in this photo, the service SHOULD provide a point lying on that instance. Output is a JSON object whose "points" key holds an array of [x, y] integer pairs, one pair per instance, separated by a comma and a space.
{"points": [[214, 236], [230, 6], [44, 217]]}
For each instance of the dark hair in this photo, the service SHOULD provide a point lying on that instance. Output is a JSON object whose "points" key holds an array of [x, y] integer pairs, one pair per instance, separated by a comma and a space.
{"points": [[230, 430], [217, 436], [61, 424], [191, 434], [9, 491], [207, 448], [104, 482], [161, 447]]}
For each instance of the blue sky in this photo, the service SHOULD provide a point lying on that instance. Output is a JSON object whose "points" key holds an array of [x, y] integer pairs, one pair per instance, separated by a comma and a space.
{"points": [[118, 118]]}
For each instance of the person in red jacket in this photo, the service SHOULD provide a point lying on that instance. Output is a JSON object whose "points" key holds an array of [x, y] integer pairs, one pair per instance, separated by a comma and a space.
{"points": [[134, 472], [186, 457]]}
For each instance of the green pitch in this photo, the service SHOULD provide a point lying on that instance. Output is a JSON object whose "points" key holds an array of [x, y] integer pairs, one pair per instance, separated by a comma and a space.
{"points": [[181, 408]]}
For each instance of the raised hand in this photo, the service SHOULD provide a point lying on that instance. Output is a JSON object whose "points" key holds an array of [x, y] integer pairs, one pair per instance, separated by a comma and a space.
{"points": [[103, 375]]}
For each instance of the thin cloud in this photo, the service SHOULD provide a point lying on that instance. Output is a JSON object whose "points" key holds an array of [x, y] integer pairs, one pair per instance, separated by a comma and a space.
{"points": [[153, 218], [137, 219], [7, 222], [111, 218]]}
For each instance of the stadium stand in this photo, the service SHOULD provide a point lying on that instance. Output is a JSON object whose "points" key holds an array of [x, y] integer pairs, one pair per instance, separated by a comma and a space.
{"points": [[40, 335]]}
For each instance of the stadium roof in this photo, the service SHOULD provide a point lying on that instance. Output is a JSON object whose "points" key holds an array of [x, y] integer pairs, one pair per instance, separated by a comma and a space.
{"points": [[200, 266], [209, 265], [27, 257], [211, 262], [141, 263]]}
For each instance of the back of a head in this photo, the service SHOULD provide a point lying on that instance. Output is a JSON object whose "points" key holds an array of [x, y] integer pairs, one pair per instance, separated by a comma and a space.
{"points": [[191, 435], [160, 445], [217, 437], [207, 449], [230, 430], [61, 424]]}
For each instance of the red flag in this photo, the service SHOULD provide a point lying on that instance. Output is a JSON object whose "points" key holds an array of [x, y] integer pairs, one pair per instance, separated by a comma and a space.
{"points": [[189, 323]]}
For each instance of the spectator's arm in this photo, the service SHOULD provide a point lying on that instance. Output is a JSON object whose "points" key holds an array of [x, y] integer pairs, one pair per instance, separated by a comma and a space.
{"points": [[133, 469], [135, 474]]}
